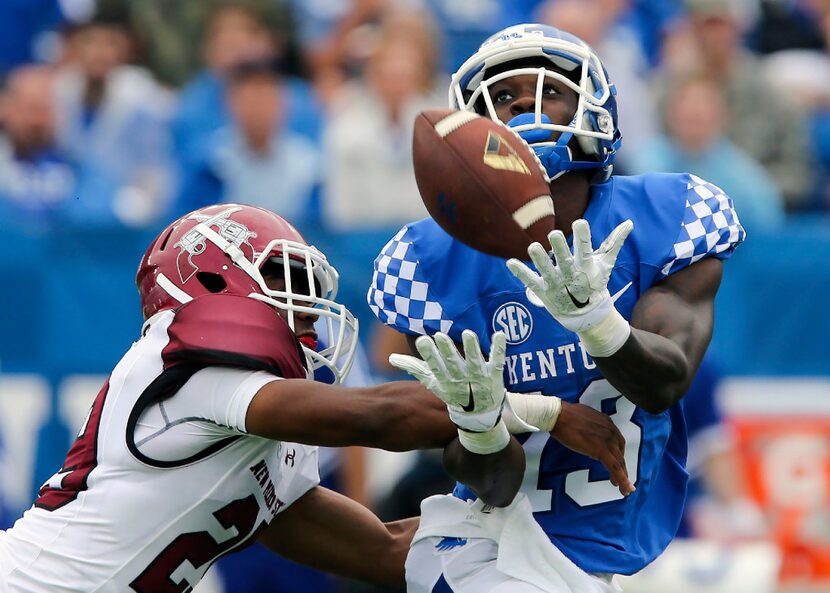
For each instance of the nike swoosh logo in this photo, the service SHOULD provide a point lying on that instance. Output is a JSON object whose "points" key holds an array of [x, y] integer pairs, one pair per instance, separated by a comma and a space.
{"points": [[471, 405], [576, 303], [620, 292], [534, 300]]}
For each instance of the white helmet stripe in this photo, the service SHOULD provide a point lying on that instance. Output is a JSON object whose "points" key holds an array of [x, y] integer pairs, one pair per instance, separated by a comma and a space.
{"points": [[173, 290]]}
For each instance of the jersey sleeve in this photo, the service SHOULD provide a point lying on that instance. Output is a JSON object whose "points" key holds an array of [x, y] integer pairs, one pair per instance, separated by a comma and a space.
{"points": [[208, 409], [402, 294], [220, 396], [710, 227]]}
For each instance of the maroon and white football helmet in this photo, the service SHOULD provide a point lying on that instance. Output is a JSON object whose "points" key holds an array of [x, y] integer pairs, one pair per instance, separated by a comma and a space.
{"points": [[223, 248]]}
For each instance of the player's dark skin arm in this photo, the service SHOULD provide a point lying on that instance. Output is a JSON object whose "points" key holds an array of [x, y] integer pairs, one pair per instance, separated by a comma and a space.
{"points": [[397, 416], [588, 431], [333, 533], [671, 327], [495, 478]]}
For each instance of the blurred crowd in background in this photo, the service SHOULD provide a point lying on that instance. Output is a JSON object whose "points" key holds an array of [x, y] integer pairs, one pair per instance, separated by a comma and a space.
{"points": [[121, 115], [129, 113]]}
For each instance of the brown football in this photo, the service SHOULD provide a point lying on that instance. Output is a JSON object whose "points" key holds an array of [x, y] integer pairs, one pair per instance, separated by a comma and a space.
{"points": [[481, 182]]}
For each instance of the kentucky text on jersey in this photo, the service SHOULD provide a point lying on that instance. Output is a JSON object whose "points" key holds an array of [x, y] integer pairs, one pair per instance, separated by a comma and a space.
{"points": [[425, 281], [543, 364]]}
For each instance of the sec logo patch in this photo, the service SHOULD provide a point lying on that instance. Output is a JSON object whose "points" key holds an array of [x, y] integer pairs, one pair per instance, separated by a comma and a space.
{"points": [[515, 321]]}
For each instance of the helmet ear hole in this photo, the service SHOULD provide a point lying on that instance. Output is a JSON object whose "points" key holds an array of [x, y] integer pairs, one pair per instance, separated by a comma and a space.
{"points": [[212, 282]]}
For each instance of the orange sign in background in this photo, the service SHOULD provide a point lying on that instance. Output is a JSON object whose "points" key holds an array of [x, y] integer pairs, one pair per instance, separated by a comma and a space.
{"points": [[787, 462]]}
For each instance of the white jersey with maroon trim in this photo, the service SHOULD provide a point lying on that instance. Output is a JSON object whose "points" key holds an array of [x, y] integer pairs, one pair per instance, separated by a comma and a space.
{"points": [[100, 525]]}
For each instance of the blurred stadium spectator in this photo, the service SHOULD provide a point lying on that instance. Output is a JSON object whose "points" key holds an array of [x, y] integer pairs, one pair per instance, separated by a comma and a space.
{"points": [[695, 120], [236, 31], [805, 74], [654, 21], [330, 36], [36, 178], [464, 25], [788, 24], [171, 31], [41, 185], [369, 179], [116, 116], [763, 120], [26, 27], [255, 159]]}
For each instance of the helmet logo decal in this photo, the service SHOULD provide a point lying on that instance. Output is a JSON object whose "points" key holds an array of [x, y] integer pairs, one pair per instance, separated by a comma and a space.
{"points": [[494, 157], [194, 242]]}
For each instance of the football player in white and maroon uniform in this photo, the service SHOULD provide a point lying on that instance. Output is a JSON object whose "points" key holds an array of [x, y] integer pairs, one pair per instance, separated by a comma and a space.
{"points": [[200, 441]]}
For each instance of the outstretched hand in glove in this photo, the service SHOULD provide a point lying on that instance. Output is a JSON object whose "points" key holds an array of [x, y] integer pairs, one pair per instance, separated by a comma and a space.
{"points": [[573, 287], [472, 387]]}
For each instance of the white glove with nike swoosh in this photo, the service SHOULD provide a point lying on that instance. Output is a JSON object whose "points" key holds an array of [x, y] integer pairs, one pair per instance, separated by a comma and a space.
{"points": [[574, 289], [472, 387]]}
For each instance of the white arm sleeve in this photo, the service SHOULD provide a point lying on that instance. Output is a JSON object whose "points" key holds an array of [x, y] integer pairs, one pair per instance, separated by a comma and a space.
{"points": [[211, 406], [219, 395]]}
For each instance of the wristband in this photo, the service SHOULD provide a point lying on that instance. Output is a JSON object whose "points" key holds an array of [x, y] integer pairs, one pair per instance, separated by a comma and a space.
{"points": [[474, 422], [606, 336], [530, 412], [484, 443]]}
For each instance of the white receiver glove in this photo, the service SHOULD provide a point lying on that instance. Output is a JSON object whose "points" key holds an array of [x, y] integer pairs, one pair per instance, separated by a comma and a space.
{"points": [[472, 387], [574, 289]]}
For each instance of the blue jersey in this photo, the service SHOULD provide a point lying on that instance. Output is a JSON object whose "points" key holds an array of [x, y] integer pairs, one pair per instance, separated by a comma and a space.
{"points": [[425, 281]]}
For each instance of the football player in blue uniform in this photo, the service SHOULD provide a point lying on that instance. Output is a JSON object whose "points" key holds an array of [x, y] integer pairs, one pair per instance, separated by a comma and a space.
{"points": [[620, 328]]}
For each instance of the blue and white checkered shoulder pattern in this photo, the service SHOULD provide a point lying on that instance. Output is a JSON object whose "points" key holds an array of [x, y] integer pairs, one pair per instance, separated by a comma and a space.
{"points": [[710, 225], [399, 295]]}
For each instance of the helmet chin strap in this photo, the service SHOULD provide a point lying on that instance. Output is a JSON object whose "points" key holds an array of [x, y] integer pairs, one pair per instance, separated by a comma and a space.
{"points": [[557, 160]]}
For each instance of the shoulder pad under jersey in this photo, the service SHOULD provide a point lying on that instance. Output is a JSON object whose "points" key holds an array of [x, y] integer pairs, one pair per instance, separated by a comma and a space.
{"points": [[233, 330]]}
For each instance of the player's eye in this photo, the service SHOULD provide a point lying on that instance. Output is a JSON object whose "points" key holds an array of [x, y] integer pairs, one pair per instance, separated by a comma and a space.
{"points": [[502, 96], [549, 90], [273, 273]]}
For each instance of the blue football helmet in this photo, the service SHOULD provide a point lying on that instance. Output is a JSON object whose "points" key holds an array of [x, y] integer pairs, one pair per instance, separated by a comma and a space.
{"points": [[594, 126]]}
